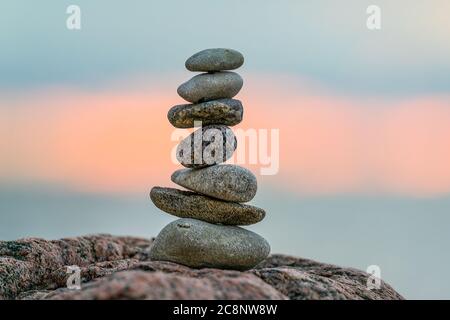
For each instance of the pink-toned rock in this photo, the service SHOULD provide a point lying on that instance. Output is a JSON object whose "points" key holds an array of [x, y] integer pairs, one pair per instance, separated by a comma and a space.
{"points": [[137, 284], [34, 264], [306, 279], [119, 268]]}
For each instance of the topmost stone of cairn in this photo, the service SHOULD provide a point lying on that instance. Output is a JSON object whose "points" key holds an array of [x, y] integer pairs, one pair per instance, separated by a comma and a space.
{"points": [[213, 60]]}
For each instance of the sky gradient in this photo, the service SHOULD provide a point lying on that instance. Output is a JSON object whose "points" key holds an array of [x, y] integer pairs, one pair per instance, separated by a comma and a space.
{"points": [[119, 141], [363, 118]]}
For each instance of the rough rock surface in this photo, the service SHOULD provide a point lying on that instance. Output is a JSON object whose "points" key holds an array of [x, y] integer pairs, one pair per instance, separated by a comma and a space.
{"points": [[223, 111], [226, 182], [207, 146], [216, 59], [197, 244], [187, 204], [119, 268], [211, 86]]}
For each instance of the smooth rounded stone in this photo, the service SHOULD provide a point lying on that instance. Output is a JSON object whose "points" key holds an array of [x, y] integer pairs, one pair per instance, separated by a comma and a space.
{"points": [[207, 146], [187, 204], [198, 244], [211, 86], [223, 111], [211, 60], [226, 182]]}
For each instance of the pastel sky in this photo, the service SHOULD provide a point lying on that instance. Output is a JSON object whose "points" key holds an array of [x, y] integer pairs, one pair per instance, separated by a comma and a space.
{"points": [[120, 140], [363, 119], [358, 110], [326, 41]]}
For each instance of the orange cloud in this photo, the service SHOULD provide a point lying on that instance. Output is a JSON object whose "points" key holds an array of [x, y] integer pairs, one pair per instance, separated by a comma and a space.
{"points": [[412, 152], [120, 141], [100, 142]]}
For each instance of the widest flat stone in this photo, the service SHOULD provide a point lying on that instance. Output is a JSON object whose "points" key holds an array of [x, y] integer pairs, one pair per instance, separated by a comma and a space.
{"points": [[207, 146], [226, 182], [187, 204], [223, 111], [211, 86], [215, 59], [198, 244]]}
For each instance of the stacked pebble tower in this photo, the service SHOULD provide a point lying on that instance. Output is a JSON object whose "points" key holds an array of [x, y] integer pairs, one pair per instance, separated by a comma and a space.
{"points": [[207, 235]]}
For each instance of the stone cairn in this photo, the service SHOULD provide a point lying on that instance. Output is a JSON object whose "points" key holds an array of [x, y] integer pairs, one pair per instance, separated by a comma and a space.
{"points": [[207, 235]]}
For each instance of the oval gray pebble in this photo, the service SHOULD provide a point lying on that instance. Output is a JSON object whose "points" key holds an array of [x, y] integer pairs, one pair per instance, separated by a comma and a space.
{"points": [[223, 111], [187, 204], [211, 86], [199, 244], [226, 182], [216, 144], [217, 59]]}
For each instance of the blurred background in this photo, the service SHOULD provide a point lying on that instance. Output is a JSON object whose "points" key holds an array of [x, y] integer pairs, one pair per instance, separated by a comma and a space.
{"points": [[364, 120]]}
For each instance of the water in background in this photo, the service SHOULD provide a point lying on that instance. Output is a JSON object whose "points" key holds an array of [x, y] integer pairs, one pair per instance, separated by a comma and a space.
{"points": [[408, 238]]}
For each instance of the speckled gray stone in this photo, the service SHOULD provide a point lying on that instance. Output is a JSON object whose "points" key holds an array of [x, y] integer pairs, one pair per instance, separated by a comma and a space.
{"points": [[223, 111], [217, 59], [198, 244], [211, 86], [226, 182], [207, 146], [187, 204]]}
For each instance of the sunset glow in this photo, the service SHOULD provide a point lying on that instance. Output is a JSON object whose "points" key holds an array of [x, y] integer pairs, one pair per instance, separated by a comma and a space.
{"points": [[102, 140]]}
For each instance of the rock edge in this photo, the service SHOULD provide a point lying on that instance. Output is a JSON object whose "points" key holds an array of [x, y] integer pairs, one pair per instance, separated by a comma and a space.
{"points": [[119, 268]]}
